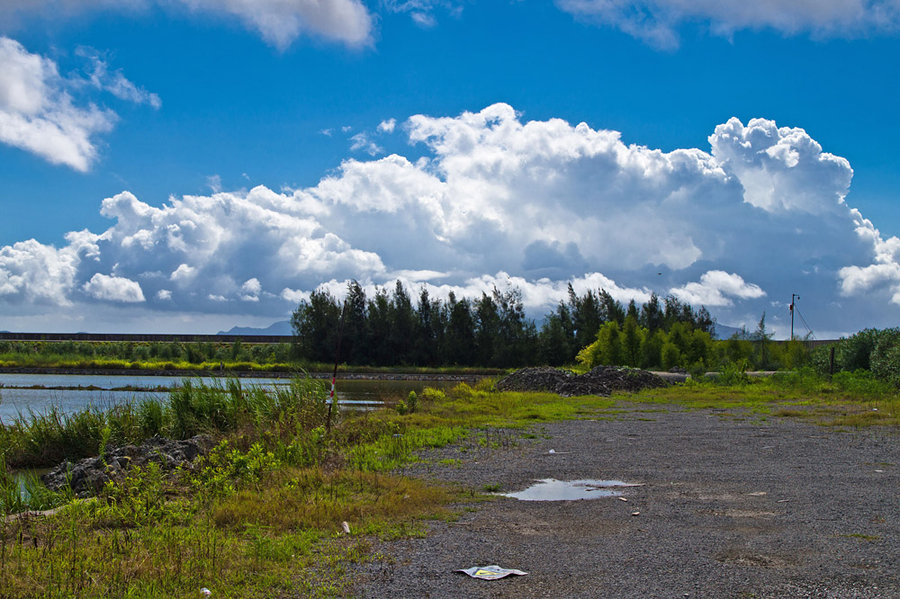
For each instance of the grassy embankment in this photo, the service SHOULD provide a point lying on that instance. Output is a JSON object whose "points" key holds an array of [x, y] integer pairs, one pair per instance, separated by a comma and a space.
{"points": [[198, 357], [261, 515]]}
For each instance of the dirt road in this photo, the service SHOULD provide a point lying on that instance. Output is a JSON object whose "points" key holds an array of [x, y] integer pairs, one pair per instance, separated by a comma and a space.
{"points": [[730, 506]]}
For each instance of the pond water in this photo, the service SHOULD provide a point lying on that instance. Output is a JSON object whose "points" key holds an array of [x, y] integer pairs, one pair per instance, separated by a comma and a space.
{"points": [[21, 394]]}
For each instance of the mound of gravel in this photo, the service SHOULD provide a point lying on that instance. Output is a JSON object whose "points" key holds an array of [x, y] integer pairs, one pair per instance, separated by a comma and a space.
{"points": [[602, 380], [87, 476]]}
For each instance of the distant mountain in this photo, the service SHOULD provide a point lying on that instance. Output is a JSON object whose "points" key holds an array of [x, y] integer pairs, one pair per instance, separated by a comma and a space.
{"points": [[282, 327], [723, 331]]}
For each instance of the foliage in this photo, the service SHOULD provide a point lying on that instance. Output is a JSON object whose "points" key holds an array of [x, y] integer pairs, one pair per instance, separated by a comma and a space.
{"points": [[877, 350], [491, 330], [260, 515], [146, 355]]}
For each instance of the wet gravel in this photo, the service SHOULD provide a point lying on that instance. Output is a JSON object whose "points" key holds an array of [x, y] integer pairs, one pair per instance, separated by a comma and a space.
{"points": [[730, 506]]}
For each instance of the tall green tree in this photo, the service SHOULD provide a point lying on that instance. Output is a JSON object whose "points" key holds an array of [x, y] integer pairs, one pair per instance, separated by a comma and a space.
{"points": [[378, 313], [315, 324], [403, 326], [586, 317], [355, 343], [556, 340], [460, 336]]}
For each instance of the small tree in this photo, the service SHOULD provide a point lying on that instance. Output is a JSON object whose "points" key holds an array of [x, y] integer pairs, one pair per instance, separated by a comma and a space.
{"points": [[631, 340], [761, 338]]}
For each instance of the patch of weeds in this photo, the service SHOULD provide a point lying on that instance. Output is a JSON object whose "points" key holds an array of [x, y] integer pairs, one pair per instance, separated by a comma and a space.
{"points": [[492, 488]]}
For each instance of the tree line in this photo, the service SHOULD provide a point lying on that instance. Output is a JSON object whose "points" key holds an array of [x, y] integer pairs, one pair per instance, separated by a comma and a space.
{"points": [[390, 328]]}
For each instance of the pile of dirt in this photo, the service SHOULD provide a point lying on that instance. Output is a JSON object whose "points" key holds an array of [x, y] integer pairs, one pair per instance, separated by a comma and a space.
{"points": [[602, 380], [87, 477]]}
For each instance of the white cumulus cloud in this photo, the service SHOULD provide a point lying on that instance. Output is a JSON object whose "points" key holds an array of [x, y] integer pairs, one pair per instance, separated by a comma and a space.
{"points": [[39, 114], [497, 200], [114, 289], [714, 289]]}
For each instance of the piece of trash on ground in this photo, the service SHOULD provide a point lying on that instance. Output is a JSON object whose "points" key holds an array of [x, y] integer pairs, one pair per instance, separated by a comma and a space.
{"points": [[492, 572], [635, 513], [346, 527], [623, 499]]}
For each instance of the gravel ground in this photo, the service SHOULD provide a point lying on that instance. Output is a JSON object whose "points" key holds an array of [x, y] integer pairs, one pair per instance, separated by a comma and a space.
{"points": [[730, 506]]}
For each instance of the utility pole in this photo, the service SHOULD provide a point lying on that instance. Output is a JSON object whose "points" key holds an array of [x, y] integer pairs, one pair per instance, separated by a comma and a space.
{"points": [[793, 297]]}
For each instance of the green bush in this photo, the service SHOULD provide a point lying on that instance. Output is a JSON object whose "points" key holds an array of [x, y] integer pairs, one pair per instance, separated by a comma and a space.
{"points": [[885, 357]]}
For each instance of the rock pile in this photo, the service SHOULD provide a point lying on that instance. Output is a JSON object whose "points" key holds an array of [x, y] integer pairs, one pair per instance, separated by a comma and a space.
{"points": [[87, 476], [602, 380]]}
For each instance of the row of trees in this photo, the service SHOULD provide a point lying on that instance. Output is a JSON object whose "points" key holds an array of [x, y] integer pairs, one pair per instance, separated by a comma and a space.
{"points": [[492, 330], [194, 352]]}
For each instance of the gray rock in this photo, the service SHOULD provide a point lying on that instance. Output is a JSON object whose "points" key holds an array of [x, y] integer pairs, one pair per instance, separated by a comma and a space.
{"points": [[88, 476]]}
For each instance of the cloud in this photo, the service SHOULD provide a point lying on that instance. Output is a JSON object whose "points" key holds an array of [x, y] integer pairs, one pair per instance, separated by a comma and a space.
{"points": [[114, 289], [422, 12], [494, 199], [39, 114], [278, 22], [714, 288], [781, 169], [657, 21], [362, 143], [115, 83], [250, 290], [882, 273], [537, 295], [387, 126]]}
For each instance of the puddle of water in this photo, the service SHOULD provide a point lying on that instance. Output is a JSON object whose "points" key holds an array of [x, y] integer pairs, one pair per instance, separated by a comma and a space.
{"points": [[550, 489]]}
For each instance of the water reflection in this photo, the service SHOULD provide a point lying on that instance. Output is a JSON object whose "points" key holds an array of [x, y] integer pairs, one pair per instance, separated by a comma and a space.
{"points": [[72, 393], [550, 489]]}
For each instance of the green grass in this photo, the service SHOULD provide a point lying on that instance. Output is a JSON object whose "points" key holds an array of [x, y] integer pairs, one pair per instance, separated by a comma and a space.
{"points": [[262, 514], [848, 399]]}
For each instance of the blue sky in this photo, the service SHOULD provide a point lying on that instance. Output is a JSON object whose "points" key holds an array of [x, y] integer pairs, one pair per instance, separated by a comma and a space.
{"points": [[193, 165]]}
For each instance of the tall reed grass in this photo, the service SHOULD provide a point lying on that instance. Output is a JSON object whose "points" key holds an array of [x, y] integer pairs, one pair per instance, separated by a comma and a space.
{"points": [[41, 439]]}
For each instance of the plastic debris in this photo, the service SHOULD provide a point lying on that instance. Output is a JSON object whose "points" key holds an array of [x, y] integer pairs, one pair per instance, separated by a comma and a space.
{"points": [[346, 527], [492, 572], [623, 499], [205, 592], [635, 513]]}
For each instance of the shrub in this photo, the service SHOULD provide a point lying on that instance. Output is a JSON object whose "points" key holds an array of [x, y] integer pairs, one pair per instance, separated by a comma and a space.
{"points": [[885, 357]]}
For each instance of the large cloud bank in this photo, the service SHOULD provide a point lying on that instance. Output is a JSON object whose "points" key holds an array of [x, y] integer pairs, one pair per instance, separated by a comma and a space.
{"points": [[498, 200]]}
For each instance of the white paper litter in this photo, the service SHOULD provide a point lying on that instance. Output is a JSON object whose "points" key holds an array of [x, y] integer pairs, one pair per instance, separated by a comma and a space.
{"points": [[492, 572]]}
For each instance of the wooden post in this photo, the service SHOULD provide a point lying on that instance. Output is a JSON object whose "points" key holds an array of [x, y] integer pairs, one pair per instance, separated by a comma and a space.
{"points": [[337, 358]]}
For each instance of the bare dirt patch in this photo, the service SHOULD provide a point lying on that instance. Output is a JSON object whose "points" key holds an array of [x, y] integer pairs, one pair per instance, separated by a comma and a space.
{"points": [[727, 508]]}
